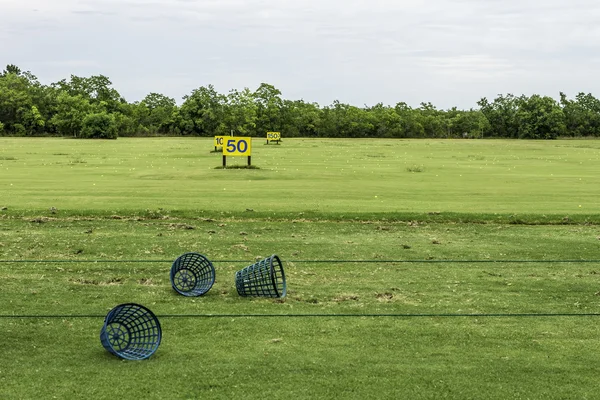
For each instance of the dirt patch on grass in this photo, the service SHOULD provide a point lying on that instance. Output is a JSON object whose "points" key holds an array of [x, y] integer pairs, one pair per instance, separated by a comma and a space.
{"points": [[95, 282]]}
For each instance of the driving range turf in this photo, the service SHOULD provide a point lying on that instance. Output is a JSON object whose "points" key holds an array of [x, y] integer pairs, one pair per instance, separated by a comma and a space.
{"points": [[419, 269]]}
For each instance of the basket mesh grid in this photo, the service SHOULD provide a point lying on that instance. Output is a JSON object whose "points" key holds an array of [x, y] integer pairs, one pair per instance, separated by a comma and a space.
{"points": [[192, 274], [131, 331], [264, 278]]}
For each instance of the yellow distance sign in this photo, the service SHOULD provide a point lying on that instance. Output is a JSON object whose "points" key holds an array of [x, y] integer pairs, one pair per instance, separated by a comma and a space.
{"points": [[273, 136], [237, 146], [219, 140]]}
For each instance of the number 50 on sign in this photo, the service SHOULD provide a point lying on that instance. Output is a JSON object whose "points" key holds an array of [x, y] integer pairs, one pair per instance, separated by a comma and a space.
{"points": [[239, 146]]}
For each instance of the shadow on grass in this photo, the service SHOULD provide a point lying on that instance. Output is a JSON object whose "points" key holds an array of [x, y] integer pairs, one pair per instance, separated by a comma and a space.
{"points": [[238, 167]]}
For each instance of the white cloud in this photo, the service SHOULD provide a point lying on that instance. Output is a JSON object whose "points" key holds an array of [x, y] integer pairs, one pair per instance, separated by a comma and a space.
{"points": [[356, 51], [467, 67]]}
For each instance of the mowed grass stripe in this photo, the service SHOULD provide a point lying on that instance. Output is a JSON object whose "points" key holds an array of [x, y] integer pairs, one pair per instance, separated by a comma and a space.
{"points": [[303, 175]]}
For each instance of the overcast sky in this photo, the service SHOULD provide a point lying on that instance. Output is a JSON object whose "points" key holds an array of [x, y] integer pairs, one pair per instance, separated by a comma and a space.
{"points": [[447, 52]]}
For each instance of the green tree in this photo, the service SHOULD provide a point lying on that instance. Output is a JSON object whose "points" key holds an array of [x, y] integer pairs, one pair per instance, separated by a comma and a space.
{"points": [[101, 125], [156, 111], [343, 120], [11, 69], [96, 88], [387, 122], [299, 118], [467, 124], [14, 102], [20, 94], [240, 112], [125, 121], [202, 113], [410, 121], [501, 115], [33, 121], [268, 111], [582, 115], [432, 120], [70, 114], [360, 123], [540, 117]]}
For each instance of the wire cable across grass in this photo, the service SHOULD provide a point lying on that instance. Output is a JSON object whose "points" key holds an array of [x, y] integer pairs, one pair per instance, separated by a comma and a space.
{"points": [[441, 315], [319, 315], [318, 261]]}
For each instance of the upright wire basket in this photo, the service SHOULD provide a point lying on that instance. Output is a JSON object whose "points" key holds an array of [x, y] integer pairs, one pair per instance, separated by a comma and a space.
{"points": [[264, 278], [192, 274], [131, 331]]}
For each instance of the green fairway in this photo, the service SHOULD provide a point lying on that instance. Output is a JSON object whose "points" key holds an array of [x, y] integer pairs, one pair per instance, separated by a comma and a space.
{"points": [[303, 175], [464, 326], [416, 269]]}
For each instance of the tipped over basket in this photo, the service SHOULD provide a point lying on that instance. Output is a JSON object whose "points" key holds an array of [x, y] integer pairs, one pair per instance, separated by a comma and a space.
{"points": [[264, 278], [192, 274], [131, 331]]}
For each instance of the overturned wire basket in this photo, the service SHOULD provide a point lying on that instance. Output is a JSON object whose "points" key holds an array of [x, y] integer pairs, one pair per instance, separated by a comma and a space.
{"points": [[192, 274], [131, 331], [264, 278]]}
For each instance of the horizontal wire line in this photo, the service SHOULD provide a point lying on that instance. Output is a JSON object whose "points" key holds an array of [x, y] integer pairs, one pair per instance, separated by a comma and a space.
{"points": [[314, 261], [479, 315]]}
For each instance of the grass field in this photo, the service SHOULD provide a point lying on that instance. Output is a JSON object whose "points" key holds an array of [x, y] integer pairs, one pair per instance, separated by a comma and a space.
{"points": [[482, 280], [306, 175]]}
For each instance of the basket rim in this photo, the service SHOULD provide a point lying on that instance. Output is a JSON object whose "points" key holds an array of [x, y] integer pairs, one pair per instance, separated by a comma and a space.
{"points": [[137, 305], [190, 293], [280, 264]]}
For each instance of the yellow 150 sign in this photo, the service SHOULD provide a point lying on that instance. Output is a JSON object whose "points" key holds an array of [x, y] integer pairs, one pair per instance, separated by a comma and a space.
{"points": [[273, 136]]}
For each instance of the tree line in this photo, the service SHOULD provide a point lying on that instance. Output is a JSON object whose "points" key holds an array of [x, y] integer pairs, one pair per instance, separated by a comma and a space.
{"points": [[89, 107]]}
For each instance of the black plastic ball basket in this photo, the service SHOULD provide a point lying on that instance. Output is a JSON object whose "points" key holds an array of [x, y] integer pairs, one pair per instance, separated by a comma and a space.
{"points": [[131, 331], [264, 278], [192, 274]]}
